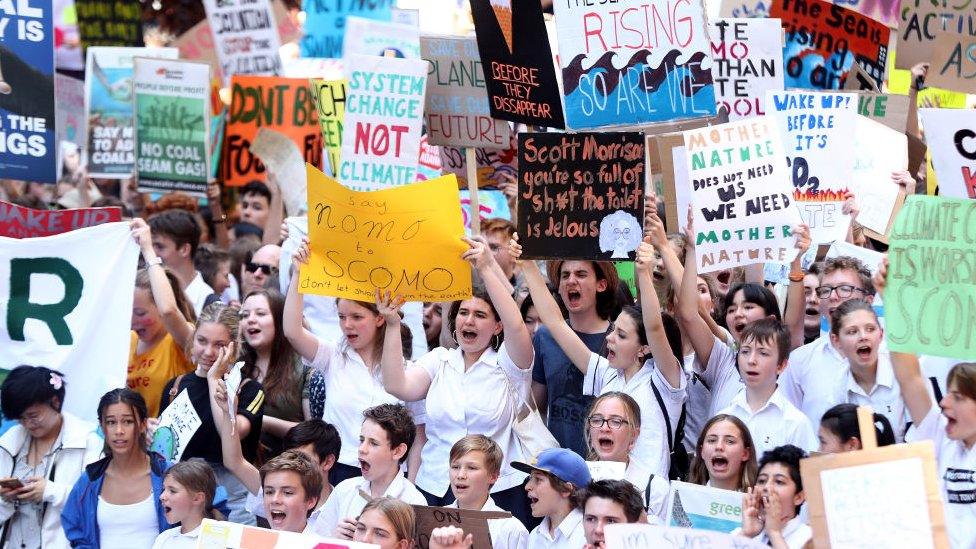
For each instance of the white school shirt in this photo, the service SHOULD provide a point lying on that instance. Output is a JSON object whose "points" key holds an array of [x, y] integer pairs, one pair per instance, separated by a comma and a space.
{"points": [[697, 404], [174, 539], [653, 490], [346, 503], [721, 376], [796, 533], [651, 447], [957, 477], [197, 291], [482, 400], [506, 533], [776, 423], [350, 389], [569, 534], [884, 398]]}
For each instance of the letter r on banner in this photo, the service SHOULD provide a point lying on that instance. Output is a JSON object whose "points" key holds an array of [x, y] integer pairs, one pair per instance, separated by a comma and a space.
{"points": [[53, 314]]}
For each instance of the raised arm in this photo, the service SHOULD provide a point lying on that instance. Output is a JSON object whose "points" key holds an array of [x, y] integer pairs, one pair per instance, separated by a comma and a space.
{"points": [[276, 213], [230, 442], [659, 239], [657, 338], [795, 302], [173, 320], [218, 216], [408, 385], [692, 324], [303, 341]]}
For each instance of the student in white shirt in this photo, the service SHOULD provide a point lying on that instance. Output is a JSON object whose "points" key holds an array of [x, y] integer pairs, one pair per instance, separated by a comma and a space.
{"points": [[771, 511], [188, 493], [555, 477], [175, 237], [291, 484], [839, 431], [606, 502], [725, 456], [388, 523]]}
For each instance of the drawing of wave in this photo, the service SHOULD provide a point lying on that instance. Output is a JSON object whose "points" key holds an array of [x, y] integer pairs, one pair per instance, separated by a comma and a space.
{"points": [[702, 522], [812, 59]]}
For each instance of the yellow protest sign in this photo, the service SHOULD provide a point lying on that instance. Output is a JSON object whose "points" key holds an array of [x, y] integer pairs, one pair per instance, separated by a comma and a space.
{"points": [[406, 240], [330, 101]]}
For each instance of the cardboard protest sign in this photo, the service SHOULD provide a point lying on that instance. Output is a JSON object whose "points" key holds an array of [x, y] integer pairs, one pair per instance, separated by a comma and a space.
{"points": [[581, 196], [20, 222], [245, 36], [109, 107], [405, 240], [330, 103], [672, 163], [282, 158], [517, 60], [951, 136], [28, 148], [494, 165], [172, 110], [381, 38], [177, 425], [930, 298], [824, 40], [620, 68], [888, 109], [879, 151], [325, 23], [740, 9], [284, 104], [457, 111], [704, 507], [491, 204], [384, 116], [923, 22], [472, 522], [641, 536], [70, 123], [109, 23], [954, 62], [230, 535], [817, 130], [748, 61], [67, 301], [858, 79]]}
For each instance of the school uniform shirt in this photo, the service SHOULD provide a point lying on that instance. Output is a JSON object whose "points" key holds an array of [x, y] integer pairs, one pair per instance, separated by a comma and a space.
{"points": [[721, 376], [884, 398], [651, 447], [350, 389], [197, 291], [174, 539], [506, 533], [149, 371], [482, 400], [796, 533], [654, 490], [697, 404], [345, 502], [957, 477], [776, 423], [569, 534]]}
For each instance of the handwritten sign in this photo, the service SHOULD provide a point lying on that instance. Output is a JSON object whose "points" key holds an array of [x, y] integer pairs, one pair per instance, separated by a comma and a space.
{"points": [[494, 165], [406, 240], [704, 507], [953, 63], [177, 424], [325, 23], [517, 60], [824, 40], [634, 66], [879, 151], [888, 109], [109, 23], [923, 22], [457, 111], [641, 536], [951, 135], [284, 104], [472, 522], [817, 130], [20, 222], [581, 195], [371, 37], [384, 116], [230, 535], [245, 36], [748, 61], [330, 102]]}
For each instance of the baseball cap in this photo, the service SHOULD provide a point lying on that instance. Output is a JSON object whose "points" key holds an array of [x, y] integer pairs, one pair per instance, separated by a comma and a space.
{"points": [[562, 463]]}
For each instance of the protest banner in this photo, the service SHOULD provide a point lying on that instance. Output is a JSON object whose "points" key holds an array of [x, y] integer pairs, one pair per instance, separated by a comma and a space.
{"points": [[951, 136], [870, 258], [177, 425], [879, 151], [330, 103], [110, 144], [429, 164], [325, 23], [922, 23], [67, 301], [384, 114], [581, 196], [518, 64], [457, 111], [494, 166], [245, 37], [312, 67], [742, 205], [405, 240], [20, 222], [70, 123], [824, 40], [634, 66], [282, 158], [28, 148], [285, 104], [109, 23], [491, 204], [608, 470], [742, 9], [704, 507], [748, 61], [172, 112], [817, 131], [472, 522], [381, 38], [642, 536], [953, 64], [931, 294], [229, 535], [888, 109]]}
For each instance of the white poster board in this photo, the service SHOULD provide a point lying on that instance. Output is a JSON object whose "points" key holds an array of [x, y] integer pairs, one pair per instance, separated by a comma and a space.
{"points": [[879, 150], [177, 424], [747, 59], [951, 137]]}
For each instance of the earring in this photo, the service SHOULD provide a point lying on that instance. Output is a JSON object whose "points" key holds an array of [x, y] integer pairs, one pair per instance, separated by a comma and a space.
{"points": [[495, 342]]}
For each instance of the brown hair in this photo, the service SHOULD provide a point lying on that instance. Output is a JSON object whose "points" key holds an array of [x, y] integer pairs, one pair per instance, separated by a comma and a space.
{"points": [[479, 443], [606, 301], [498, 225], [633, 411], [380, 332], [852, 264], [846, 308], [293, 460], [400, 514], [395, 419], [227, 316], [698, 474], [282, 382], [963, 376], [562, 486], [770, 331], [196, 475], [182, 302]]}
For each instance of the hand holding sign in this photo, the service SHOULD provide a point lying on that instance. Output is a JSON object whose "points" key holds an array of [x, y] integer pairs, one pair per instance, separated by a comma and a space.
{"points": [[450, 537]]}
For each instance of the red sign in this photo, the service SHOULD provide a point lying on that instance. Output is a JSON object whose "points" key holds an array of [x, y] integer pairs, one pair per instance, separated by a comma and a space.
{"points": [[20, 222]]}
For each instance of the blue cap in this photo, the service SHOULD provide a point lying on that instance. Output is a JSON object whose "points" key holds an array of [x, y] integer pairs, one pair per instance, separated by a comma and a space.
{"points": [[564, 464]]}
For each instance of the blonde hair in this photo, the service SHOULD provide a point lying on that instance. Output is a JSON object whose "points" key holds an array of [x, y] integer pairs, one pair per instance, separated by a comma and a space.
{"points": [[400, 514], [633, 418], [300, 464], [227, 316], [182, 302], [479, 443], [197, 476]]}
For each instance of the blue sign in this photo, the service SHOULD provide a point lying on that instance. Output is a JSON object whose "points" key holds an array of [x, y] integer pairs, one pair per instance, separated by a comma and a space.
{"points": [[325, 23]]}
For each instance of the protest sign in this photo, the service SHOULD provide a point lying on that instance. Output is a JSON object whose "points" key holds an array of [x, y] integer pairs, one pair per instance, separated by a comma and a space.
{"points": [[951, 136], [748, 61], [285, 104], [608, 470], [381, 38], [172, 111], [472, 522], [491, 204], [70, 123], [870, 258], [405, 240], [109, 107], [67, 301], [581, 196], [494, 166], [20, 222], [325, 23], [230, 535], [28, 148], [704, 507], [824, 40], [642, 536], [312, 67], [669, 159], [931, 293], [384, 114], [953, 63], [922, 23], [457, 111], [743, 207], [282, 158], [859, 80], [109, 23], [218, 123], [879, 152], [330, 102], [620, 68], [245, 37], [885, 11], [177, 425], [429, 164], [890, 110], [740, 9], [817, 131], [518, 63]]}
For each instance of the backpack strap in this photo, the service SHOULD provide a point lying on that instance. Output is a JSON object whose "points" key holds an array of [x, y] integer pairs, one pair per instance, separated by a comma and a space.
{"points": [[667, 420], [647, 492], [936, 390]]}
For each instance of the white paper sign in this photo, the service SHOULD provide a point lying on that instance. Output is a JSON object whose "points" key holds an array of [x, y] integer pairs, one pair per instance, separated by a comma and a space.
{"points": [[748, 62], [246, 36], [644, 536], [951, 137], [372, 37], [703, 507], [607, 470], [177, 424], [879, 151]]}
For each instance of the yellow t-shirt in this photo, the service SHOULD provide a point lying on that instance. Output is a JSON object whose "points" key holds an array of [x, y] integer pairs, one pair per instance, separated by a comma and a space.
{"points": [[149, 372]]}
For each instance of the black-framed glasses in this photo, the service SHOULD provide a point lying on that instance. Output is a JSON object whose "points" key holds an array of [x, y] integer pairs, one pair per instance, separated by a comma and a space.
{"points": [[266, 269], [615, 423], [843, 291]]}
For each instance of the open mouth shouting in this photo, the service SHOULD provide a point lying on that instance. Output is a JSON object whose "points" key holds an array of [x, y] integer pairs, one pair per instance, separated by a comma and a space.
{"points": [[277, 518], [605, 444], [364, 466], [864, 352], [720, 464], [573, 299], [468, 336]]}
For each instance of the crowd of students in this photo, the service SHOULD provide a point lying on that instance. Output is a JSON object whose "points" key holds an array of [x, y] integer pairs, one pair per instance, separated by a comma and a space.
{"points": [[339, 424]]}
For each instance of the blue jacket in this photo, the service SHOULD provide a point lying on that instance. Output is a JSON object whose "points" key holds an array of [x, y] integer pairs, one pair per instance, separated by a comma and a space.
{"points": [[79, 516]]}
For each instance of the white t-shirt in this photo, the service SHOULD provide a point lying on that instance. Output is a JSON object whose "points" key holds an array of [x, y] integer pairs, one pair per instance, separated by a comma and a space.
{"points": [[721, 376], [173, 539], [569, 534], [133, 526], [796, 533], [776, 423], [506, 533], [653, 490], [814, 374], [197, 291], [884, 398], [345, 502]]}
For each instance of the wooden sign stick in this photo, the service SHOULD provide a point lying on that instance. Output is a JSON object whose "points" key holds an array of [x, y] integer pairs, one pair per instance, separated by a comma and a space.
{"points": [[474, 206], [865, 423]]}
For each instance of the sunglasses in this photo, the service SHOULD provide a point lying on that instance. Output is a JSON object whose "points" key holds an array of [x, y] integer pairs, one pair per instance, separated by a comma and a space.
{"points": [[266, 269]]}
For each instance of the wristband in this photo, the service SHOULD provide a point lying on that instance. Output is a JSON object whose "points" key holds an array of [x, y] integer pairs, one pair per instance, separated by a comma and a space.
{"points": [[797, 276], [154, 261]]}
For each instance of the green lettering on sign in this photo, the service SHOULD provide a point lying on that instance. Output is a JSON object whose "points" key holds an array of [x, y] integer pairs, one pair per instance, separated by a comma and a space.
{"points": [[20, 308]]}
